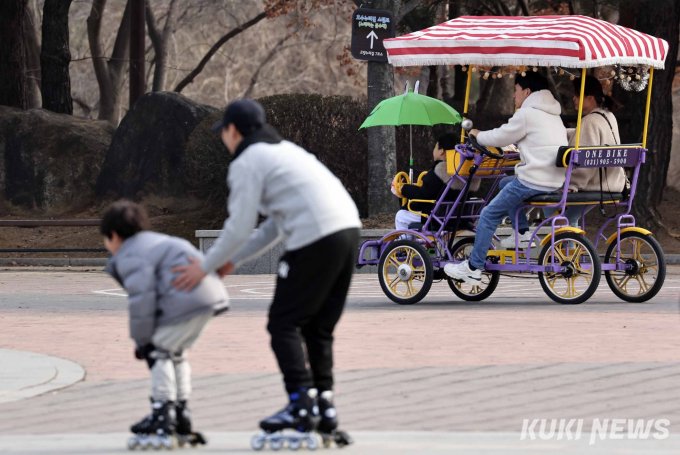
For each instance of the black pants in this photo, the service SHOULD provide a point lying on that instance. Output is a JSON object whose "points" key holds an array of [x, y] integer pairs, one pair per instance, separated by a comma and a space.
{"points": [[310, 296]]}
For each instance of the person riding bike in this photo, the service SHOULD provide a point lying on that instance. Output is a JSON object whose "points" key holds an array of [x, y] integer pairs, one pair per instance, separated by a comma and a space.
{"points": [[538, 131]]}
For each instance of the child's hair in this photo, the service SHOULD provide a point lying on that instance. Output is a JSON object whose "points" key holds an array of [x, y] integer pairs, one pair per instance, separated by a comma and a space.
{"points": [[532, 81], [125, 218], [448, 141], [594, 88]]}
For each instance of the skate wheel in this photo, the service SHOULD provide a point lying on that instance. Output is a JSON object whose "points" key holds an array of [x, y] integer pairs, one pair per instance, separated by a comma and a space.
{"points": [[327, 442], [257, 442], [312, 442], [168, 442], [294, 443], [275, 443], [132, 443]]}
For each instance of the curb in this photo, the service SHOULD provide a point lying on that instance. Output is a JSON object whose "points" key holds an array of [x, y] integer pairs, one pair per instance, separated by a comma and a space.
{"points": [[28, 374], [53, 262], [671, 259]]}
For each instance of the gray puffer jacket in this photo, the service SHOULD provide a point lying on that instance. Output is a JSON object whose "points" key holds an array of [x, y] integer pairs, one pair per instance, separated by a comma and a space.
{"points": [[143, 266]]}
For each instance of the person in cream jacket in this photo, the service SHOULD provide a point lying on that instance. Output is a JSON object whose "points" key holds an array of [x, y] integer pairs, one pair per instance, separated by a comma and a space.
{"points": [[538, 131]]}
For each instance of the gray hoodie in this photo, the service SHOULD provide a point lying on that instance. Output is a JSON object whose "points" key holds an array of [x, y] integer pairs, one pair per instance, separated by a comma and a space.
{"points": [[538, 131], [302, 200], [143, 267]]}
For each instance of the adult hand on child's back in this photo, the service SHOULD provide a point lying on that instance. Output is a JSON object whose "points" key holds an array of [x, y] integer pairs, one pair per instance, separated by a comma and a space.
{"points": [[191, 275], [226, 269]]}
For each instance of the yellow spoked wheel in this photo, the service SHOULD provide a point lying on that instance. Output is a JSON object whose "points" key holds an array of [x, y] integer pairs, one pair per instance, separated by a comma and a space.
{"points": [[472, 292], [582, 266], [405, 272], [647, 267]]}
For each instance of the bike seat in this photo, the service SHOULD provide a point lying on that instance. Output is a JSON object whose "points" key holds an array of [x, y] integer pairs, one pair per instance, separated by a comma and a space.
{"points": [[583, 197], [464, 225]]}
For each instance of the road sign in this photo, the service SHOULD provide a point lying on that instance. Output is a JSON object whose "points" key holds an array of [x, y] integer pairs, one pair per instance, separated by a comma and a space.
{"points": [[369, 28]]}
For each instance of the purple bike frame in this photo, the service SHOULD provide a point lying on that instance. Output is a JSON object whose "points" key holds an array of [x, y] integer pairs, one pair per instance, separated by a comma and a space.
{"points": [[620, 156]]}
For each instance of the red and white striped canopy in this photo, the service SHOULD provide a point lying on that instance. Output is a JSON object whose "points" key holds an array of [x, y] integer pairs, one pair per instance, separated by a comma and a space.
{"points": [[568, 41]]}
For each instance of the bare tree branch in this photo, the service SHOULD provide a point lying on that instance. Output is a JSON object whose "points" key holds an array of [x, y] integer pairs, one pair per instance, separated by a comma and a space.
{"points": [[572, 7], [153, 31], [407, 8], [525, 8], [266, 60], [204, 61], [504, 8]]}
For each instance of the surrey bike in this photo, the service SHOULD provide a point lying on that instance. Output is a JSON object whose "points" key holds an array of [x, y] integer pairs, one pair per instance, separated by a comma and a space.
{"points": [[568, 265]]}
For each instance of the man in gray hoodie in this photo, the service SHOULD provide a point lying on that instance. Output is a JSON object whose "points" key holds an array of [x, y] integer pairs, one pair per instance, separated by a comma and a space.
{"points": [[309, 209], [538, 131], [163, 321]]}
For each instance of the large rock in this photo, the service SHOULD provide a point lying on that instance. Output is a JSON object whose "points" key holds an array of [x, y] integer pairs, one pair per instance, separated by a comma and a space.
{"points": [[50, 161], [146, 155]]}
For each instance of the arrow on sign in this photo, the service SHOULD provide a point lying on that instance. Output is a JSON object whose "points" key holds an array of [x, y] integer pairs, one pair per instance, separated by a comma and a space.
{"points": [[373, 36]]}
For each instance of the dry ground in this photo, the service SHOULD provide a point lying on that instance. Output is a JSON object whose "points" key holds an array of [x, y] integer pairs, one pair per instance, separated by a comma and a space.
{"points": [[183, 218]]}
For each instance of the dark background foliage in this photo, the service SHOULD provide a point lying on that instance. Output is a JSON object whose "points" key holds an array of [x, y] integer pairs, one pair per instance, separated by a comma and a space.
{"points": [[327, 126]]}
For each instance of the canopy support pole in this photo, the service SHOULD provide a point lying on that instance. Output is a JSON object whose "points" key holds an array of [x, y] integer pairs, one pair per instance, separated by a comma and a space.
{"points": [[649, 100], [580, 107], [410, 163], [467, 100]]}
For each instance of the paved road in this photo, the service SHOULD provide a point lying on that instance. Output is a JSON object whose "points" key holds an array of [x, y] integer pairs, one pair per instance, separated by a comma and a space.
{"points": [[442, 366]]}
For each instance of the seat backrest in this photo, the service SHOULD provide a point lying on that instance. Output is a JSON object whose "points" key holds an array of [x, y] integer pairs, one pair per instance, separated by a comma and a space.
{"points": [[601, 156], [453, 159]]}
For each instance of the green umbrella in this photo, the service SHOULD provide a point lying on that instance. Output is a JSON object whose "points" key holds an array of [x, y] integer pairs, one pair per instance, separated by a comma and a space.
{"points": [[411, 109]]}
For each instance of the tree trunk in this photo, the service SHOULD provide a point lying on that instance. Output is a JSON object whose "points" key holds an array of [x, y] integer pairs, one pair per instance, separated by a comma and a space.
{"points": [[444, 82], [660, 19], [160, 42], [31, 23], [110, 75], [382, 143], [55, 58], [432, 83], [137, 51], [12, 54]]}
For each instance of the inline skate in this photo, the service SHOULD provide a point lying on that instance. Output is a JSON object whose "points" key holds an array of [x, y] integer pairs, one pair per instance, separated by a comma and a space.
{"points": [[328, 426], [301, 415], [185, 435], [157, 430]]}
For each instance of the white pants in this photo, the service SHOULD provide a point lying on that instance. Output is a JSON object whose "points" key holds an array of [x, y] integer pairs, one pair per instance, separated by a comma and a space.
{"points": [[404, 218], [171, 373]]}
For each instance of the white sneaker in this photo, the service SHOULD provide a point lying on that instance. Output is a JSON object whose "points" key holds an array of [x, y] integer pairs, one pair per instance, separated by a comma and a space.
{"points": [[509, 242], [462, 272]]}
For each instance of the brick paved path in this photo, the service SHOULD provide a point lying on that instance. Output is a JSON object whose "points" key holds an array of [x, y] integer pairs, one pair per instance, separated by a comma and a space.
{"points": [[441, 365]]}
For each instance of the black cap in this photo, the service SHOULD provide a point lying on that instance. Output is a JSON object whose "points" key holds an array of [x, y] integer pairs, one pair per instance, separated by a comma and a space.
{"points": [[247, 116]]}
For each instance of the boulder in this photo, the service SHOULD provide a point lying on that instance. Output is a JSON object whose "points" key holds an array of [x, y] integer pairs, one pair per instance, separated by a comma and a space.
{"points": [[146, 155], [326, 126], [50, 161]]}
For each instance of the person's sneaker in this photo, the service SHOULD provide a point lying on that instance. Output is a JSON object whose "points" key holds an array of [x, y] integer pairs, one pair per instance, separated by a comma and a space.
{"points": [[462, 272], [509, 242]]}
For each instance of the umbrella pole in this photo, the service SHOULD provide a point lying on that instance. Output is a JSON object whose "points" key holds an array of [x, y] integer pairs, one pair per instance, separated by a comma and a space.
{"points": [[410, 163]]}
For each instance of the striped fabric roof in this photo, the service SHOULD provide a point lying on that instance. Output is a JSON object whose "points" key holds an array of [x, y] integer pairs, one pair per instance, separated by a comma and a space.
{"points": [[568, 41]]}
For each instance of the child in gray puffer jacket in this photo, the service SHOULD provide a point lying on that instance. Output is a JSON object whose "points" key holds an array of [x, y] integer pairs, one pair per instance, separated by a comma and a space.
{"points": [[163, 321]]}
